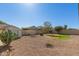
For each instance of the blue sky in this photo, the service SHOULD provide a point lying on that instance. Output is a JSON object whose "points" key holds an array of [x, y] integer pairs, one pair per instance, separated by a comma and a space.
{"points": [[24, 15]]}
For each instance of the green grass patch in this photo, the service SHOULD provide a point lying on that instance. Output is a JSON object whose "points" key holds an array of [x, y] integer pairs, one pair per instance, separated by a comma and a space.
{"points": [[60, 36]]}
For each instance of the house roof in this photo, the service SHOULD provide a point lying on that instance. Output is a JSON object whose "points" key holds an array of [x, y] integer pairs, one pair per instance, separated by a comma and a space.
{"points": [[2, 26]]}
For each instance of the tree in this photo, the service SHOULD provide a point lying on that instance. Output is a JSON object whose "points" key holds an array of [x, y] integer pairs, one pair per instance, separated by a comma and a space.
{"points": [[65, 27], [1, 22], [47, 27], [39, 27], [58, 28], [47, 24], [6, 36]]}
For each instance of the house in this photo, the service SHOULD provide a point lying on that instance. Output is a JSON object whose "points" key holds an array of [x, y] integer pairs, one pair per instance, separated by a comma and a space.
{"points": [[29, 32], [12, 28], [15, 29], [70, 32]]}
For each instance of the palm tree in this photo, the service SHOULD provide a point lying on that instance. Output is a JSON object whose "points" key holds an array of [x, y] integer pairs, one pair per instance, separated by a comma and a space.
{"points": [[65, 27]]}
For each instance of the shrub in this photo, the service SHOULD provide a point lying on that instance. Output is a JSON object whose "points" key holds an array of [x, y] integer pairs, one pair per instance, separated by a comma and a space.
{"points": [[7, 37], [41, 34], [49, 45], [58, 29]]}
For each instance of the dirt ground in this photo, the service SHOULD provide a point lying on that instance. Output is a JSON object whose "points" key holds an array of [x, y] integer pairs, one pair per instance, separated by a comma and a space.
{"points": [[36, 46]]}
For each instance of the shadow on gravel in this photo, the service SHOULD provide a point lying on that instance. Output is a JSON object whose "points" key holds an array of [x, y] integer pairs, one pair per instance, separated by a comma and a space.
{"points": [[6, 49]]}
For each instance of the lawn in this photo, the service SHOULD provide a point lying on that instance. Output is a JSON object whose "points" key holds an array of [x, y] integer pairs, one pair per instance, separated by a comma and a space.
{"points": [[60, 36]]}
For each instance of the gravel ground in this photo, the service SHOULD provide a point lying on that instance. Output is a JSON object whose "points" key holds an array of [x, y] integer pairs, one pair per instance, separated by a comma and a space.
{"points": [[36, 46]]}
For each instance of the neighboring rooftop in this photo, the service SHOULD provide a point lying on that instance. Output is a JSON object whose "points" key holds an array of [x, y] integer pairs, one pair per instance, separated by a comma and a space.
{"points": [[4, 24]]}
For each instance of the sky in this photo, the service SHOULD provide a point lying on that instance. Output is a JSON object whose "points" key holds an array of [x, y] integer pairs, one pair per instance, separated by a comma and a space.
{"points": [[78, 9], [31, 14]]}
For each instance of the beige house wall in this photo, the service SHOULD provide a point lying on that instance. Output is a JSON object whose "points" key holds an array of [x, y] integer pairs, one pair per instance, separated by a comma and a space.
{"points": [[70, 32]]}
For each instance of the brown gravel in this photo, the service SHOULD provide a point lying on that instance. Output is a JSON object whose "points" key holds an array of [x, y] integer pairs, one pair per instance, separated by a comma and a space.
{"points": [[36, 46]]}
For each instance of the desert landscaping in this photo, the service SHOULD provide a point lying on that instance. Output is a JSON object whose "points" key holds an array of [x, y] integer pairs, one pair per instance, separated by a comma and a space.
{"points": [[34, 42], [36, 46], [39, 29]]}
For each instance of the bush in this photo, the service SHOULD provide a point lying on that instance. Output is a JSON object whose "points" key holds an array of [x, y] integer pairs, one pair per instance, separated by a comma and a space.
{"points": [[41, 34], [58, 29], [7, 37], [49, 45]]}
